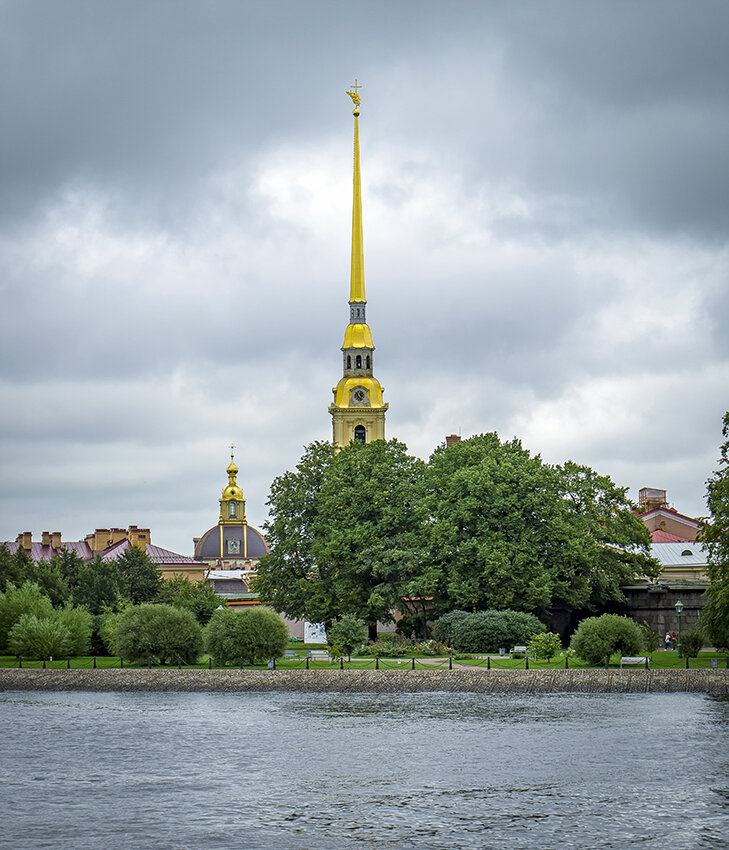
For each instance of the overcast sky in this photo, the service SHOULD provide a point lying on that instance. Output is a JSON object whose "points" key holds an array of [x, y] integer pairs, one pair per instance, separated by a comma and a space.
{"points": [[546, 220]]}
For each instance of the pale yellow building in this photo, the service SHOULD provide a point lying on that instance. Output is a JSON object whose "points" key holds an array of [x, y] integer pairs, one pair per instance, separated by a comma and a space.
{"points": [[358, 410]]}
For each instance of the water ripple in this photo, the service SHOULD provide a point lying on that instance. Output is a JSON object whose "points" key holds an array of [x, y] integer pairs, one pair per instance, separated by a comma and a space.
{"points": [[304, 771]]}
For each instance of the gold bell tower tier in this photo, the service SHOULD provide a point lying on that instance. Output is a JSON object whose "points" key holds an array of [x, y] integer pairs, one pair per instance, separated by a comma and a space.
{"points": [[358, 411]]}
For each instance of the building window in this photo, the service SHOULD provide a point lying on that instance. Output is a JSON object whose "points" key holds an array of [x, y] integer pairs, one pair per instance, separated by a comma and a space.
{"points": [[368, 361], [231, 509], [360, 435], [349, 362], [359, 361]]}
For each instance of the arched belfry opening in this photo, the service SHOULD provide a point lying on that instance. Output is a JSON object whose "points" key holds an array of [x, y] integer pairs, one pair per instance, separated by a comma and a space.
{"points": [[360, 433]]}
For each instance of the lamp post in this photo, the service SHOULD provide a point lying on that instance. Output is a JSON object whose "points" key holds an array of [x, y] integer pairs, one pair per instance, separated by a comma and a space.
{"points": [[679, 607]]}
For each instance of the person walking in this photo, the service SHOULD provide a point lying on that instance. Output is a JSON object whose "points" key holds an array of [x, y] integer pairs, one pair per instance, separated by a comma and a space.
{"points": [[667, 641]]}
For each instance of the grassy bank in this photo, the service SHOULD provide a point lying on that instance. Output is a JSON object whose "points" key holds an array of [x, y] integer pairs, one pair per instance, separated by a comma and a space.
{"points": [[659, 661]]}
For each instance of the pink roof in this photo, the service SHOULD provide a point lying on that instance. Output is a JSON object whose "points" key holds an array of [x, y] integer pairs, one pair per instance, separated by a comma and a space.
{"points": [[157, 554], [660, 536], [39, 552]]}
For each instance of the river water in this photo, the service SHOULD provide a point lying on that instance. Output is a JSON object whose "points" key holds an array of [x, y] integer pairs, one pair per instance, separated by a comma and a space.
{"points": [[190, 770]]}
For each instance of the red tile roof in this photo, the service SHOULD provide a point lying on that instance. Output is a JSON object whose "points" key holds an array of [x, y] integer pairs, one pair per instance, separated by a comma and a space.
{"points": [[660, 536]]}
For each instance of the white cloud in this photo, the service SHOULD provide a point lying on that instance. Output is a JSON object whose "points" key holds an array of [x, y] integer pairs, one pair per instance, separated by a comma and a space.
{"points": [[541, 255]]}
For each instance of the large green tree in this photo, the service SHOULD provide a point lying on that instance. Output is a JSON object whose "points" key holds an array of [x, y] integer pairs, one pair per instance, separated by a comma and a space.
{"points": [[18, 567], [288, 578], [510, 531], [344, 533], [100, 585], [141, 579], [715, 536]]}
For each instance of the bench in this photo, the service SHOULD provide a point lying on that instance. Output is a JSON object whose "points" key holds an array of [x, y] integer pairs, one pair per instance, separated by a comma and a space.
{"points": [[289, 653], [318, 655], [517, 651], [631, 660]]}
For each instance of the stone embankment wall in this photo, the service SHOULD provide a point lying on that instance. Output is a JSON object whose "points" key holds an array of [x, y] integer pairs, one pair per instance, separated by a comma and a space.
{"points": [[369, 681]]}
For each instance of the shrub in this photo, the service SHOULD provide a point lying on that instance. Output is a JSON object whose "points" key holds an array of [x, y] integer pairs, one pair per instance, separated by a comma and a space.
{"points": [[484, 631], [39, 637], [96, 642], [713, 622], [160, 632], [107, 631], [411, 626], [651, 639], [346, 634], [387, 648], [692, 642], [28, 599], [522, 627], [545, 645], [195, 597], [432, 648], [79, 623], [487, 631], [443, 627], [255, 635], [597, 637], [390, 637]]}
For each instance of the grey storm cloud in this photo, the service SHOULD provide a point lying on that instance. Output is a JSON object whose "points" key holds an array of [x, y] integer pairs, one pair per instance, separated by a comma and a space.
{"points": [[545, 207]]}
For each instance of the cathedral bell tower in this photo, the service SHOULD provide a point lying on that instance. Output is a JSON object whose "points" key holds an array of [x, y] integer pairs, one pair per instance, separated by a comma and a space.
{"points": [[358, 411]]}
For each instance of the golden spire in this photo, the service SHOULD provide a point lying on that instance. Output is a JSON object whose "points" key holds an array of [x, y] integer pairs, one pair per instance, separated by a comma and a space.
{"points": [[358, 410], [357, 286]]}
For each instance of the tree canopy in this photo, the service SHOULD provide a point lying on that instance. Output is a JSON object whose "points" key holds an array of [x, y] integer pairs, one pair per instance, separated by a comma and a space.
{"points": [[482, 525], [141, 579], [510, 531], [194, 596], [715, 536], [343, 532]]}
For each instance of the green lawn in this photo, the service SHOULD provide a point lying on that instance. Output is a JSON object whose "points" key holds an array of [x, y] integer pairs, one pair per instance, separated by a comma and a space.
{"points": [[659, 660]]}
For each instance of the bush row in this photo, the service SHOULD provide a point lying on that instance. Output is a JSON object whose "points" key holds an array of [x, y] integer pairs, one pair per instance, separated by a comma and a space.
{"points": [[32, 628]]}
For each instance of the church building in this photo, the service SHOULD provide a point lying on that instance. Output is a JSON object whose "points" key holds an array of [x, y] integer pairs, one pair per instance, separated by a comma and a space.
{"points": [[232, 544], [358, 410]]}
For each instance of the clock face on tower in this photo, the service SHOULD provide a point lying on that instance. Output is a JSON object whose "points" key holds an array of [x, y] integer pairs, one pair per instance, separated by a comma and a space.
{"points": [[359, 397]]}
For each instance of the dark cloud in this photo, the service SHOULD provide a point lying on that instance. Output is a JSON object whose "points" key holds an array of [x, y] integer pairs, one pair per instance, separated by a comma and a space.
{"points": [[545, 195]]}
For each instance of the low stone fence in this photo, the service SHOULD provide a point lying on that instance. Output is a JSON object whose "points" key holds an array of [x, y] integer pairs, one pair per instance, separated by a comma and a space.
{"points": [[369, 681]]}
